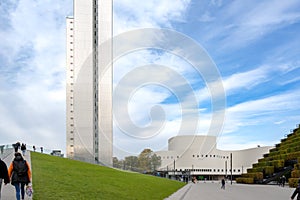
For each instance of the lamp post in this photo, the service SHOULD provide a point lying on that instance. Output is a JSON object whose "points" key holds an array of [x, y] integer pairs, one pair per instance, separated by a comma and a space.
{"points": [[231, 168], [192, 172], [225, 168], [174, 169]]}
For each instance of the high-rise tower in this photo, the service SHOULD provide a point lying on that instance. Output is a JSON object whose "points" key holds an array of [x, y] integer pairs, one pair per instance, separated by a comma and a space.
{"points": [[89, 82]]}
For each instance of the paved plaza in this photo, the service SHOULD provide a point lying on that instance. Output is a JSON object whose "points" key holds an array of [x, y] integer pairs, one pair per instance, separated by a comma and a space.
{"points": [[213, 191]]}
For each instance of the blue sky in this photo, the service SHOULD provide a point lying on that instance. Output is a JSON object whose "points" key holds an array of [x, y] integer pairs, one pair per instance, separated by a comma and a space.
{"points": [[255, 45]]}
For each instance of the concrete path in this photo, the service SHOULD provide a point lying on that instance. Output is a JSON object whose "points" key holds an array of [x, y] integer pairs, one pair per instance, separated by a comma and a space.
{"points": [[213, 191], [8, 191]]}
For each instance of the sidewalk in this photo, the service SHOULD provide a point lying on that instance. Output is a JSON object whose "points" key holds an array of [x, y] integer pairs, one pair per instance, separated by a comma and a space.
{"points": [[8, 191], [213, 191]]}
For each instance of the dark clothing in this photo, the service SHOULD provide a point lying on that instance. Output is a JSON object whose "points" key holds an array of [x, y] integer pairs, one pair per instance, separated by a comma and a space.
{"points": [[4, 172], [23, 147], [297, 191], [15, 147], [223, 184], [19, 171]]}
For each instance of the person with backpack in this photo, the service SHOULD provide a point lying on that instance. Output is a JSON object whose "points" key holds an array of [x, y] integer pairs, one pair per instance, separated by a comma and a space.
{"points": [[3, 174], [20, 174]]}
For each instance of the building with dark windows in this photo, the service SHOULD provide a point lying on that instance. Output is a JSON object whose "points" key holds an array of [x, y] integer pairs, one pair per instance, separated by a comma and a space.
{"points": [[89, 82]]}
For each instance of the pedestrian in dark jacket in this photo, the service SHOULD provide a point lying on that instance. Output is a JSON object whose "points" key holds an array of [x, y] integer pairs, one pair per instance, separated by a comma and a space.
{"points": [[23, 149], [223, 184], [3, 174], [296, 192], [20, 174]]}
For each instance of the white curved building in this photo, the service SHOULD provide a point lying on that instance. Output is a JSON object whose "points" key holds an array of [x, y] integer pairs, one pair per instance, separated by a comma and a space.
{"points": [[198, 155]]}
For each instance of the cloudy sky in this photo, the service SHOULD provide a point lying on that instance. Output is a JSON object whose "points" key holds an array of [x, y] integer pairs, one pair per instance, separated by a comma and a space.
{"points": [[255, 46]]}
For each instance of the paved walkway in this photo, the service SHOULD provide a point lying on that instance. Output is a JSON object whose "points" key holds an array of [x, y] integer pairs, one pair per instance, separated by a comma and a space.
{"points": [[8, 191], [213, 191]]}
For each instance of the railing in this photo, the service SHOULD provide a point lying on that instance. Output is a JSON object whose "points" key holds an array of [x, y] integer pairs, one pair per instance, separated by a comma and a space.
{"points": [[6, 149], [277, 175]]}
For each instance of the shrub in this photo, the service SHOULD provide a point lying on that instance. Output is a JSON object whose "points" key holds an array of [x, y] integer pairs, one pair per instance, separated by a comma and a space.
{"points": [[245, 180], [257, 176], [293, 156], [277, 163], [295, 174], [269, 170], [293, 182]]}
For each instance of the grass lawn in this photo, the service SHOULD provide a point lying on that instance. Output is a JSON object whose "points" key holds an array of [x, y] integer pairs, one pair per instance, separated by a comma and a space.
{"points": [[64, 179]]}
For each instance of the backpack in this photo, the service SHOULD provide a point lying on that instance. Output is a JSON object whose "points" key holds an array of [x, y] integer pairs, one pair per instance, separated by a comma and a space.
{"points": [[21, 168]]}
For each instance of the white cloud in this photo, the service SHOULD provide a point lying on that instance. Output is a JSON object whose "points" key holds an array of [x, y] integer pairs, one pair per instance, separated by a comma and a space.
{"points": [[34, 56], [129, 14], [260, 111]]}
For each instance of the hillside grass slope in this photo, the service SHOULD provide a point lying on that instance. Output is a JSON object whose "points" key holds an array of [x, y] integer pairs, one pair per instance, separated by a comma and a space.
{"points": [[65, 179]]}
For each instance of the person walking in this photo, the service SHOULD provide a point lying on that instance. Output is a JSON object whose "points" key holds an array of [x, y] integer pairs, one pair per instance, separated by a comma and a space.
{"points": [[223, 184], [283, 179], [20, 174], [3, 174], [23, 149], [296, 192]]}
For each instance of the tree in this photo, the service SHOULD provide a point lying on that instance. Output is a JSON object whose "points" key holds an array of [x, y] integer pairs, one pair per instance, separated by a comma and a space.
{"points": [[117, 163], [145, 160], [148, 160], [155, 161], [131, 163]]}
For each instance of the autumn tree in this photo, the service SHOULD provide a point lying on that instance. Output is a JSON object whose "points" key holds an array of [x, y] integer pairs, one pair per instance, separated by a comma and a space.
{"points": [[148, 160]]}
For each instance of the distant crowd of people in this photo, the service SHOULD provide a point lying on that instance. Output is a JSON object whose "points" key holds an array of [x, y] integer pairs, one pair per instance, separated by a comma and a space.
{"points": [[23, 148]]}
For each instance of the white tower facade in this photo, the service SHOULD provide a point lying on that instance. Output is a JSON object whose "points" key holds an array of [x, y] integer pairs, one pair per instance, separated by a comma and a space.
{"points": [[89, 82]]}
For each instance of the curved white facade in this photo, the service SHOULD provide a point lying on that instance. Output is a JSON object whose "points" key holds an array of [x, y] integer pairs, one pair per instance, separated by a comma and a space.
{"points": [[199, 155]]}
